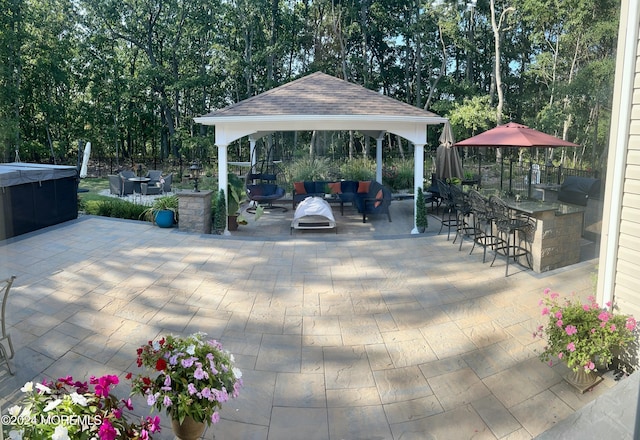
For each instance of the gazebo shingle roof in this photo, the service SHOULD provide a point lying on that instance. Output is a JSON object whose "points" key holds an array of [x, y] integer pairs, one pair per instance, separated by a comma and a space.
{"points": [[323, 95]]}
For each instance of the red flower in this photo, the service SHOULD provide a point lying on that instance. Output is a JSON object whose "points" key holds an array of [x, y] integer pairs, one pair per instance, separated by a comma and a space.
{"points": [[161, 364]]}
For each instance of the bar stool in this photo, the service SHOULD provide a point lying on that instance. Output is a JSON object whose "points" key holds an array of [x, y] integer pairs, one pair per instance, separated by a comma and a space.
{"points": [[483, 221], [464, 228], [507, 226], [447, 202]]}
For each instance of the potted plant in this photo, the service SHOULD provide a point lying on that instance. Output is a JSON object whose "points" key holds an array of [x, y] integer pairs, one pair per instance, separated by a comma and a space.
{"points": [[422, 223], [237, 195], [189, 378], [582, 335], [163, 211], [219, 213], [68, 409]]}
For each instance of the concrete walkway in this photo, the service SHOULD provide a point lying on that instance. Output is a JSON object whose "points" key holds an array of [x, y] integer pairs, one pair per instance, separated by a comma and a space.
{"points": [[371, 333]]}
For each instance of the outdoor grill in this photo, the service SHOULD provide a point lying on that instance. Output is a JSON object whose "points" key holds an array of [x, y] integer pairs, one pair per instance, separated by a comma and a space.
{"points": [[578, 190]]}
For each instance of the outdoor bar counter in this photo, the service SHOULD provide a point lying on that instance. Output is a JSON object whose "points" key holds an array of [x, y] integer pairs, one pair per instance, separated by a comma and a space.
{"points": [[557, 235]]}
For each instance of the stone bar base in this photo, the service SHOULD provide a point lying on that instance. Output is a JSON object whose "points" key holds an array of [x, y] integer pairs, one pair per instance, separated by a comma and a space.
{"points": [[194, 210]]}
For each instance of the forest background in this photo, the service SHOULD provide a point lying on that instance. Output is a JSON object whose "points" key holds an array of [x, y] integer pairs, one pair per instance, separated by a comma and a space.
{"points": [[130, 75]]}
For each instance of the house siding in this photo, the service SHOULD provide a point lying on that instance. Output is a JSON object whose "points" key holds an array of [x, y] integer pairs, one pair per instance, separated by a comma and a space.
{"points": [[627, 281], [619, 271]]}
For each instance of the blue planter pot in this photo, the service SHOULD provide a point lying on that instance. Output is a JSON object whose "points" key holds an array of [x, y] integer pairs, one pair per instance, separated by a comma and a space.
{"points": [[164, 218]]}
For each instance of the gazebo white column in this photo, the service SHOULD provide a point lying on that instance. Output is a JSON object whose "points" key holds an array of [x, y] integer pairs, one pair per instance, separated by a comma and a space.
{"points": [[418, 179], [223, 179], [379, 156]]}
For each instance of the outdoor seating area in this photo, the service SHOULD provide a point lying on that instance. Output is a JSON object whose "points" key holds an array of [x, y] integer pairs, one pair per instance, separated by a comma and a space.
{"points": [[538, 235], [127, 182]]}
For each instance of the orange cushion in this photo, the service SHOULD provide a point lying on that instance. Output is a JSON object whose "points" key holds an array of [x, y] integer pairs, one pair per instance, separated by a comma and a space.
{"points": [[363, 186], [335, 187], [379, 198], [299, 187]]}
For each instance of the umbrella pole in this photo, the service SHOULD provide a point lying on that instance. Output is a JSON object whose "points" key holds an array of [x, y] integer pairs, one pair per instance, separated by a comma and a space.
{"points": [[510, 177], [501, 172], [479, 168]]}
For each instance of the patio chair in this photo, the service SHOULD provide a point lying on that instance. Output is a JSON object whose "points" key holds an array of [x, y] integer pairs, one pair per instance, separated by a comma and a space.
{"points": [[449, 208], [512, 231], [265, 194], [483, 219], [5, 338], [127, 185], [464, 228], [115, 184]]}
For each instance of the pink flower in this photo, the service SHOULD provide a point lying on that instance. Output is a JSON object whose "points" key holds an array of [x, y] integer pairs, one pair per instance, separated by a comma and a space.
{"points": [[545, 311], [558, 314], [559, 323], [603, 316], [590, 366], [593, 330], [586, 307], [215, 417], [555, 295], [571, 347], [103, 383], [560, 355], [609, 304], [546, 291], [631, 324], [154, 424], [612, 328], [107, 431], [571, 330]]}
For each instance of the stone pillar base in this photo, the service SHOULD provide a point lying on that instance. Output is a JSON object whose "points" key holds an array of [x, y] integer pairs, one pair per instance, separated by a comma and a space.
{"points": [[194, 210]]}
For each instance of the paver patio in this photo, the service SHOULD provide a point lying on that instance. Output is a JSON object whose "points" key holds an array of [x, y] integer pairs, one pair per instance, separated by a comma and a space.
{"points": [[372, 333]]}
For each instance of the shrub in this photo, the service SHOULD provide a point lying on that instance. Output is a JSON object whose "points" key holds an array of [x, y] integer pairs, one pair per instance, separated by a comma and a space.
{"points": [[116, 208], [220, 215], [358, 169]]}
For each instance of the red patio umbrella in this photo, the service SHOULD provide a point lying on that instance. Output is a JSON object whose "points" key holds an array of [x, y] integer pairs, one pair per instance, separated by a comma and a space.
{"points": [[513, 135]]}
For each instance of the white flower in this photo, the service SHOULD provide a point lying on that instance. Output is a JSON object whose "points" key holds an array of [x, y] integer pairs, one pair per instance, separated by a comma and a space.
{"points": [[43, 388], [15, 411], [52, 405], [60, 433], [27, 388], [236, 372], [156, 345], [79, 399], [15, 435], [191, 349]]}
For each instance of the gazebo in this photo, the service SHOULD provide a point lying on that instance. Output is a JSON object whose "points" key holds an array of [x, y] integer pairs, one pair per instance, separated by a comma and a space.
{"points": [[322, 102]]}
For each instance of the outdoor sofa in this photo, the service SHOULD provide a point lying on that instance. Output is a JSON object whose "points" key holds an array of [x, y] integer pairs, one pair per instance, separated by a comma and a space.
{"points": [[368, 196]]}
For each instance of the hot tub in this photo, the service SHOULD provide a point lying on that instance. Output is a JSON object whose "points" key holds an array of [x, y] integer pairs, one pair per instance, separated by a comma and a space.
{"points": [[34, 196]]}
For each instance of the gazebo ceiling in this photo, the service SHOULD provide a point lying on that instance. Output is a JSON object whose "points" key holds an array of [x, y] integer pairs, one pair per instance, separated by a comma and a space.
{"points": [[320, 102]]}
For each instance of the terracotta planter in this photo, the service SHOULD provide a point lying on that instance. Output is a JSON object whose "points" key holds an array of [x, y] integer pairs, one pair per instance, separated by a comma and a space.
{"points": [[188, 430]]}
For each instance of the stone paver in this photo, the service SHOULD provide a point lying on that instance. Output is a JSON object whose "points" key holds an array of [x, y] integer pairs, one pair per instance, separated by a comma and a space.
{"points": [[368, 333]]}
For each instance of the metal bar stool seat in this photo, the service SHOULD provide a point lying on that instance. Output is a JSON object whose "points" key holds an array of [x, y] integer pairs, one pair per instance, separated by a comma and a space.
{"points": [[483, 223], [449, 208], [512, 232], [464, 224]]}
